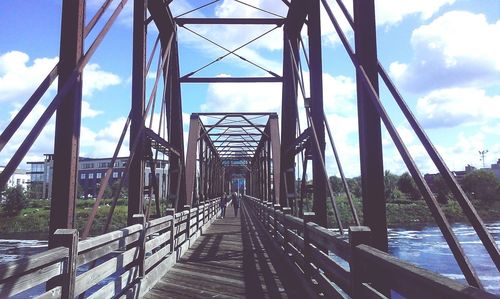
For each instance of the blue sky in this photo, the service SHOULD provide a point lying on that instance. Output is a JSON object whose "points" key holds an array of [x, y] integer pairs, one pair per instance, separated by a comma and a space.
{"points": [[443, 55]]}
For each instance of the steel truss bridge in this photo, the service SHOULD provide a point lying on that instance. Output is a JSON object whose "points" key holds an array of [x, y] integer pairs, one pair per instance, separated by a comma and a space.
{"points": [[276, 234]]}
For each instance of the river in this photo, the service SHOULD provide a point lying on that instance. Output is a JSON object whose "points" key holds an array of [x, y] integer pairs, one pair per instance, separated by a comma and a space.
{"points": [[423, 246]]}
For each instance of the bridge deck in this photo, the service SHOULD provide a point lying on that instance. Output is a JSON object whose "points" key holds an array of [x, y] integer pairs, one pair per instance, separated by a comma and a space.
{"points": [[233, 259]]}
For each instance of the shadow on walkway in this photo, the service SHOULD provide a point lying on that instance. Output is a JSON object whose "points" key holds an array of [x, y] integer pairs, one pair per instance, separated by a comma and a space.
{"points": [[232, 259]]}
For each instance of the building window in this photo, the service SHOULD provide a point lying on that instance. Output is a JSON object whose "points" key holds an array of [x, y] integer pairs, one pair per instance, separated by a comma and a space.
{"points": [[91, 175], [82, 176], [115, 174], [98, 175], [87, 165]]}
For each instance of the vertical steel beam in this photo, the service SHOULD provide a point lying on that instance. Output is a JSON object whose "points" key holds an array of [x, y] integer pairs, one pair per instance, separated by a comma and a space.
{"points": [[68, 118], [276, 157], [317, 113], [370, 139], [175, 126], [136, 178], [194, 134], [288, 108]]}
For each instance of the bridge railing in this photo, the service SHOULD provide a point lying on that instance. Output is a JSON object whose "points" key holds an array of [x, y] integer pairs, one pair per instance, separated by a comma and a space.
{"points": [[126, 262], [328, 265]]}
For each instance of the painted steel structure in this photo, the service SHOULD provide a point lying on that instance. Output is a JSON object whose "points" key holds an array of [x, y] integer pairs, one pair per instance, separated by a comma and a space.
{"points": [[236, 143]]}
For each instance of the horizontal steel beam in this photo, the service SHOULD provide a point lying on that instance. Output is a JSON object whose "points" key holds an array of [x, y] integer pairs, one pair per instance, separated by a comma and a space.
{"points": [[230, 21], [236, 113], [231, 80]]}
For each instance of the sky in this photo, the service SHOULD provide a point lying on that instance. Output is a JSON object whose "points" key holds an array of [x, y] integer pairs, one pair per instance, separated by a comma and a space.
{"points": [[442, 55]]}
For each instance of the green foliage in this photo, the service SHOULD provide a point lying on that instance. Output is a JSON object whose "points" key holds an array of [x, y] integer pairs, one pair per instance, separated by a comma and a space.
{"points": [[439, 187], [407, 185], [355, 186], [15, 200], [482, 185], [391, 191], [336, 184]]}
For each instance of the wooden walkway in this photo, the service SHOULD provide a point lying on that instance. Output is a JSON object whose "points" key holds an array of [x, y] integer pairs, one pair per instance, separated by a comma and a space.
{"points": [[233, 259]]}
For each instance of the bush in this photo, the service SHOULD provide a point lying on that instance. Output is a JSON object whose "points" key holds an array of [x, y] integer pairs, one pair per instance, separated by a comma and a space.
{"points": [[15, 200]]}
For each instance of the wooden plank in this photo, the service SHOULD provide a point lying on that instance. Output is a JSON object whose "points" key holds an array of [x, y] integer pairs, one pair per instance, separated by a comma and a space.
{"points": [[296, 256], [328, 240], [155, 242], [95, 275], [54, 293], [16, 285], [156, 257], [296, 240], [27, 264], [412, 281], [116, 286], [159, 227], [369, 292], [294, 223], [325, 286], [96, 253], [109, 237], [332, 270], [159, 221]]}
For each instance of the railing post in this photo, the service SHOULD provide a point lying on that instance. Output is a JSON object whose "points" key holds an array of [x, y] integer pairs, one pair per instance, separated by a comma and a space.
{"points": [[68, 238], [308, 217], [197, 218], [286, 211], [140, 219], [269, 212], [358, 235], [188, 226], [277, 207], [171, 212]]}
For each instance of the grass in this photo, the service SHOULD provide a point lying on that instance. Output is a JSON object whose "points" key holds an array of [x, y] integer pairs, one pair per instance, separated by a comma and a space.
{"points": [[35, 217]]}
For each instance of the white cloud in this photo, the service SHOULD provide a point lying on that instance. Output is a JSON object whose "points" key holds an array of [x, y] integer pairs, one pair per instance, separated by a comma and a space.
{"points": [[95, 79], [88, 112], [44, 143], [243, 97], [456, 49], [103, 142], [19, 77], [457, 106], [391, 12]]}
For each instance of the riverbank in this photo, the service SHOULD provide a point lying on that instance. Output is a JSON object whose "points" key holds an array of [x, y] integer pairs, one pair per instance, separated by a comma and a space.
{"points": [[34, 220], [409, 213]]}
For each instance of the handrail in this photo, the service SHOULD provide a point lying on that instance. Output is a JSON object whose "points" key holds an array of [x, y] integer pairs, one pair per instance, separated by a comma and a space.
{"points": [[133, 257], [330, 265]]}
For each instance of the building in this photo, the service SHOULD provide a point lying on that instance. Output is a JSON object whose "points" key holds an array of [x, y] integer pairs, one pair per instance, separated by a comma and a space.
{"points": [[41, 177], [91, 172], [19, 178], [495, 168]]}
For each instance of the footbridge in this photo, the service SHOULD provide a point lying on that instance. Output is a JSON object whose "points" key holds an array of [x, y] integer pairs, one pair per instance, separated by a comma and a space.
{"points": [[238, 215]]}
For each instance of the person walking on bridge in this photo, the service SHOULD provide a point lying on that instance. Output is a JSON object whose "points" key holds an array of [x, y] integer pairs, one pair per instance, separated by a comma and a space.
{"points": [[223, 203], [236, 203]]}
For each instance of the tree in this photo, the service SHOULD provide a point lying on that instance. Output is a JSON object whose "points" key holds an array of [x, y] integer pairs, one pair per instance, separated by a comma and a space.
{"points": [[15, 200], [336, 184], [407, 185], [482, 184], [390, 186], [439, 187], [355, 186]]}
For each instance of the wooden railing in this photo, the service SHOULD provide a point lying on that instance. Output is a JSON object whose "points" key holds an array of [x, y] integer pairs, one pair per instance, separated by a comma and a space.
{"points": [[330, 266], [127, 262]]}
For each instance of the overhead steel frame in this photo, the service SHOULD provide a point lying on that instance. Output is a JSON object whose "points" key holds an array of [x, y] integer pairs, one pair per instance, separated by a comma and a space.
{"points": [[204, 170], [265, 166]]}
